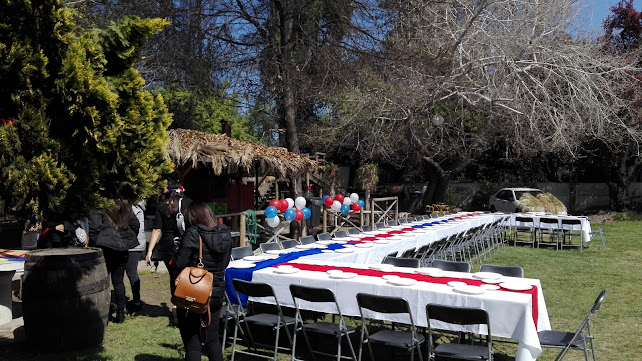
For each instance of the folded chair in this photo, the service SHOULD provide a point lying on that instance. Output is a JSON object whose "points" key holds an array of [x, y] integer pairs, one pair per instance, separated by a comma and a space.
{"points": [[508, 271], [402, 261], [599, 232], [339, 331], [240, 252], [409, 340], [459, 316], [276, 321], [577, 340]]}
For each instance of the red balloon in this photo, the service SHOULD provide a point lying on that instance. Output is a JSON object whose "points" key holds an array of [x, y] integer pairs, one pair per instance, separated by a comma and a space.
{"points": [[299, 215], [328, 201], [284, 205], [356, 207], [276, 204], [339, 197]]}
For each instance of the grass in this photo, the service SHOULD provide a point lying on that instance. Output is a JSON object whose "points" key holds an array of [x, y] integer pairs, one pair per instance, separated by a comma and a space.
{"points": [[571, 281]]}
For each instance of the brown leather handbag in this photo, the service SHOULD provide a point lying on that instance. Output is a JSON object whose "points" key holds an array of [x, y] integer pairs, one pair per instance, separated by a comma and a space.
{"points": [[194, 288]]}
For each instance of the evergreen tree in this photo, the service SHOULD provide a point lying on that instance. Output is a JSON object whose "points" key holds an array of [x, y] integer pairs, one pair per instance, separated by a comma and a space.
{"points": [[77, 126]]}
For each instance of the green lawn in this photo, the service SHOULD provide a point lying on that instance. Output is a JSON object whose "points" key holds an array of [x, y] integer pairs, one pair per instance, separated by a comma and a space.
{"points": [[571, 281]]}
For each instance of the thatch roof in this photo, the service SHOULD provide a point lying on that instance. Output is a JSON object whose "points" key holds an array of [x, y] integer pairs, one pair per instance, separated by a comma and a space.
{"points": [[191, 149]]}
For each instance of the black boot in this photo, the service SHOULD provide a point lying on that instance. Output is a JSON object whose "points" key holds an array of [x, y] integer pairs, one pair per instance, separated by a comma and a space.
{"points": [[120, 316], [134, 306]]}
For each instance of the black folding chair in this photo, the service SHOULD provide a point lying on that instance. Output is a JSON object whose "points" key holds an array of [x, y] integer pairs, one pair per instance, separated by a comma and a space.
{"points": [[309, 239], [340, 234], [289, 243], [340, 330], [577, 340], [276, 321], [366, 228], [353, 231], [321, 237], [402, 262], [451, 265], [570, 228], [549, 232], [527, 227], [269, 246], [409, 340], [240, 252], [508, 271], [459, 316]]}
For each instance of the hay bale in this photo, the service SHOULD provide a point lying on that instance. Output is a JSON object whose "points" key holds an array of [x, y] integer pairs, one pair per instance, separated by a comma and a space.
{"points": [[529, 203]]}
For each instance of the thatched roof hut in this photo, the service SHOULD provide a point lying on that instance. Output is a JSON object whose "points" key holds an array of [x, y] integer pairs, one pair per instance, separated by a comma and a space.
{"points": [[224, 155]]}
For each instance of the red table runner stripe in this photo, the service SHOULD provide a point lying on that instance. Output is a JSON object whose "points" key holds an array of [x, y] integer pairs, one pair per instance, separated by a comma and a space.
{"points": [[416, 276]]}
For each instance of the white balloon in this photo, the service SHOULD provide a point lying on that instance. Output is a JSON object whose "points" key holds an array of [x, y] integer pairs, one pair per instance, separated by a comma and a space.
{"points": [[273, 222], [290, 202], [336, 205], [299, 202], [347, 201], [354, 197]]}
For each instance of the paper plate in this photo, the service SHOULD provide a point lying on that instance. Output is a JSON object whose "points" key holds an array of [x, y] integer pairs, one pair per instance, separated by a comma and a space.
{"points": [[363, 245], [389, 277], [327, 251], [430, 271], [344, 250], [343, 275], [489, 287], [469, 290], [254, 258], [242, 264], [487, 275], [402, 281], [306, 246], [381, 241], [407, 234], [286, 270], [456, 283], [276, 251], [515, 286], [492, 280]]}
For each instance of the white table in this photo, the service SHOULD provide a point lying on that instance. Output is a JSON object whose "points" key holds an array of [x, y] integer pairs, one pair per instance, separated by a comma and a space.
{"points": [[584, 226], [510, 313], [378, 252], [7, 271]]}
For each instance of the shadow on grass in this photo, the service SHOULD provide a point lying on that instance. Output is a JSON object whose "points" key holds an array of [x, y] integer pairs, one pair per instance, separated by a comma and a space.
{"points": [[147, 357]]}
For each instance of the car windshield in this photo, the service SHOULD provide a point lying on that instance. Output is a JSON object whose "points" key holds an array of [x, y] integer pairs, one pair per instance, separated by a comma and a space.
{"points": [[519, 194]]}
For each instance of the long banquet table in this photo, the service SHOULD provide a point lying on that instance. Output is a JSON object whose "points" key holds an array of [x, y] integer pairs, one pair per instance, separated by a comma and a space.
{"points": [[584, 227], [513, 315]]}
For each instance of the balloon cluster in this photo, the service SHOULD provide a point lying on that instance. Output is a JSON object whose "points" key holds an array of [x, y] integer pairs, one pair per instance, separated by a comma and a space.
{"points": [[293, 210], [343, 204]]}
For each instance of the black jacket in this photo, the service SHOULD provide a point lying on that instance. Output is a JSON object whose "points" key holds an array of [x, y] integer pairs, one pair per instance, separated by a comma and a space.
{"points": [[102, 233], [217, 250]]}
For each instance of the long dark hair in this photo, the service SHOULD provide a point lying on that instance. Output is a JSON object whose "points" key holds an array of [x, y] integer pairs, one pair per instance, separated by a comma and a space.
{"points": [[172, 208], [199, 213], [120, 215]]}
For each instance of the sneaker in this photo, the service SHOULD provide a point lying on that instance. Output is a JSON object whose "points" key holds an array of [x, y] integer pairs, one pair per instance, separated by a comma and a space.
{"points": [[120, 317]]}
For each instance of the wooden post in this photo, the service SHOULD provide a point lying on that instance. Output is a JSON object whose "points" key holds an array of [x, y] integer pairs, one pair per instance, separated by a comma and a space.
{"points": [[325, 220], [361, 217], [242, 240], [372, 213], [397, 211], [276, 188]]}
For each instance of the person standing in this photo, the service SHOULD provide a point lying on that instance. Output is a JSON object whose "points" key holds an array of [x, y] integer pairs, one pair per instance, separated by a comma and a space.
{"points": [[135, 304], [217, 250], [115, 232], [166, 235]]}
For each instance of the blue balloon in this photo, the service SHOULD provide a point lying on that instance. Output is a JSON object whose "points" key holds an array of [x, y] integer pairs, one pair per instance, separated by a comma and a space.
{"points": [[270, 212], [323, 198], [361, 203], [289, 214], [345, 209], [306, 212]]}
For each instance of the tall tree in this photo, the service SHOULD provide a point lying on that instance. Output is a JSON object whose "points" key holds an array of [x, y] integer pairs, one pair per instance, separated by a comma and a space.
{"points": [[78, 127], [622, 38], [462, 76]]}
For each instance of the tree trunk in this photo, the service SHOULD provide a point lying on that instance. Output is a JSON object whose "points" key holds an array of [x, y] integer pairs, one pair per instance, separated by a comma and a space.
{"points": [[437, 182], [624, 168]]}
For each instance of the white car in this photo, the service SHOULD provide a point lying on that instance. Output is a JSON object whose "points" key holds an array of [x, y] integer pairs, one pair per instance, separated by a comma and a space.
{"points": [[507, 199]]}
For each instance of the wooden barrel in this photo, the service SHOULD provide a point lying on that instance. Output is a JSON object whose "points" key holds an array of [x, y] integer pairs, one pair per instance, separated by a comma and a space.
{"points": [[65, 298]]}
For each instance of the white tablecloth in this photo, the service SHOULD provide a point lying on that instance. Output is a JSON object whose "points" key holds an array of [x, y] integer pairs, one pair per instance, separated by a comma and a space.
{"points": [[510, 313], [378, 252], [584, 226]]}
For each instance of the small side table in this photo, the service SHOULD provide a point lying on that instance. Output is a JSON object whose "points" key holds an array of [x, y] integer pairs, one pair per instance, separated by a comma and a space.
{"points": [[7, 271]]}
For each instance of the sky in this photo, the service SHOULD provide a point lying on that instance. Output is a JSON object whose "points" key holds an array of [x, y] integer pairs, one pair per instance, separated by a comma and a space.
{"points": [[590, 22]]}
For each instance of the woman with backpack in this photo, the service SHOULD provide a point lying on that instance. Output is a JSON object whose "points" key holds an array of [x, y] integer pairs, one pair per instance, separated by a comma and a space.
{"points": [[217, 249]]}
